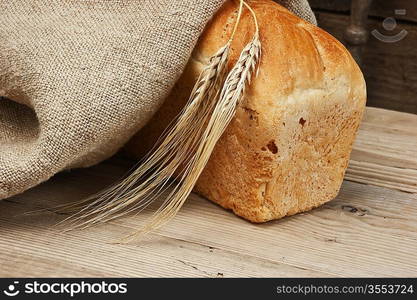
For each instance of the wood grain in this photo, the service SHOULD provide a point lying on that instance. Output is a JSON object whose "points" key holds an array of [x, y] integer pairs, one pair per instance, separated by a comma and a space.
{"points": [[31, 246], [368, 230], [385, 151]]}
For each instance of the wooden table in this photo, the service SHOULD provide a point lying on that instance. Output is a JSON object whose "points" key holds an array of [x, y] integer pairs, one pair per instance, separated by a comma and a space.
{"points": [[370, 229]]}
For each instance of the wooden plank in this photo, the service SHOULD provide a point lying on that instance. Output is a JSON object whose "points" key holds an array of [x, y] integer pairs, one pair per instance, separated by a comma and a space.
{"points": [[37, 252], [31, 246], [390, 68], [384, 153], [366, 231], [390, 177]]}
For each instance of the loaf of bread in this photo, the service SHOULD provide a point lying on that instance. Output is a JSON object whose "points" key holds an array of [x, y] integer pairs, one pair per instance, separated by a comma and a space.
{"points": [[287, 149]]}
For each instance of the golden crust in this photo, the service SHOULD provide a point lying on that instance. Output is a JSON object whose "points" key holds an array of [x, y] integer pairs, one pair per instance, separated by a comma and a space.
{"points": [[288, 146]]}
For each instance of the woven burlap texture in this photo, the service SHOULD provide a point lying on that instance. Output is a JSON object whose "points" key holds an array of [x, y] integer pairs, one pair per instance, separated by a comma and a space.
{"points": [[79, 77]]}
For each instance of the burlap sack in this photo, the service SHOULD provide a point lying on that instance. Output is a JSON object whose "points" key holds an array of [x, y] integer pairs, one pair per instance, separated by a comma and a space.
{"points": [[79, 77]]}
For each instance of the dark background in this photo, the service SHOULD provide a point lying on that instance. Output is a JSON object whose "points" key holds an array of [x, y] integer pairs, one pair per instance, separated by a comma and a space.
{"points": [[390, 69]]}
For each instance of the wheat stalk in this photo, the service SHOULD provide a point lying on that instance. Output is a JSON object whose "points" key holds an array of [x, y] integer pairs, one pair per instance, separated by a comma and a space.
{"points": [[224, 111], [152, 177], [136, 191], [184, 149]]}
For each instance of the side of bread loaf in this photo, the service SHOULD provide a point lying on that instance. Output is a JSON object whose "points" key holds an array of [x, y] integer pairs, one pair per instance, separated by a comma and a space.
{"points": [[287, 149]]}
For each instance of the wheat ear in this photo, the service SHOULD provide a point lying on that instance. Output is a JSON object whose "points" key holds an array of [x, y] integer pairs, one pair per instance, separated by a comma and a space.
{"points": [[224, 111], [152, 177], [173, 157]]}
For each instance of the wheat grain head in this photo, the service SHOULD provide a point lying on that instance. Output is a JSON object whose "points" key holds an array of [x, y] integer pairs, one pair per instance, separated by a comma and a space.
{"points": [[183, 150]]}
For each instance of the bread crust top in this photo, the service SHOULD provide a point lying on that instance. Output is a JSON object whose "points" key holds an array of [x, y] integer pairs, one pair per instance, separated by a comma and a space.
{"points": [[295, 53]]}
